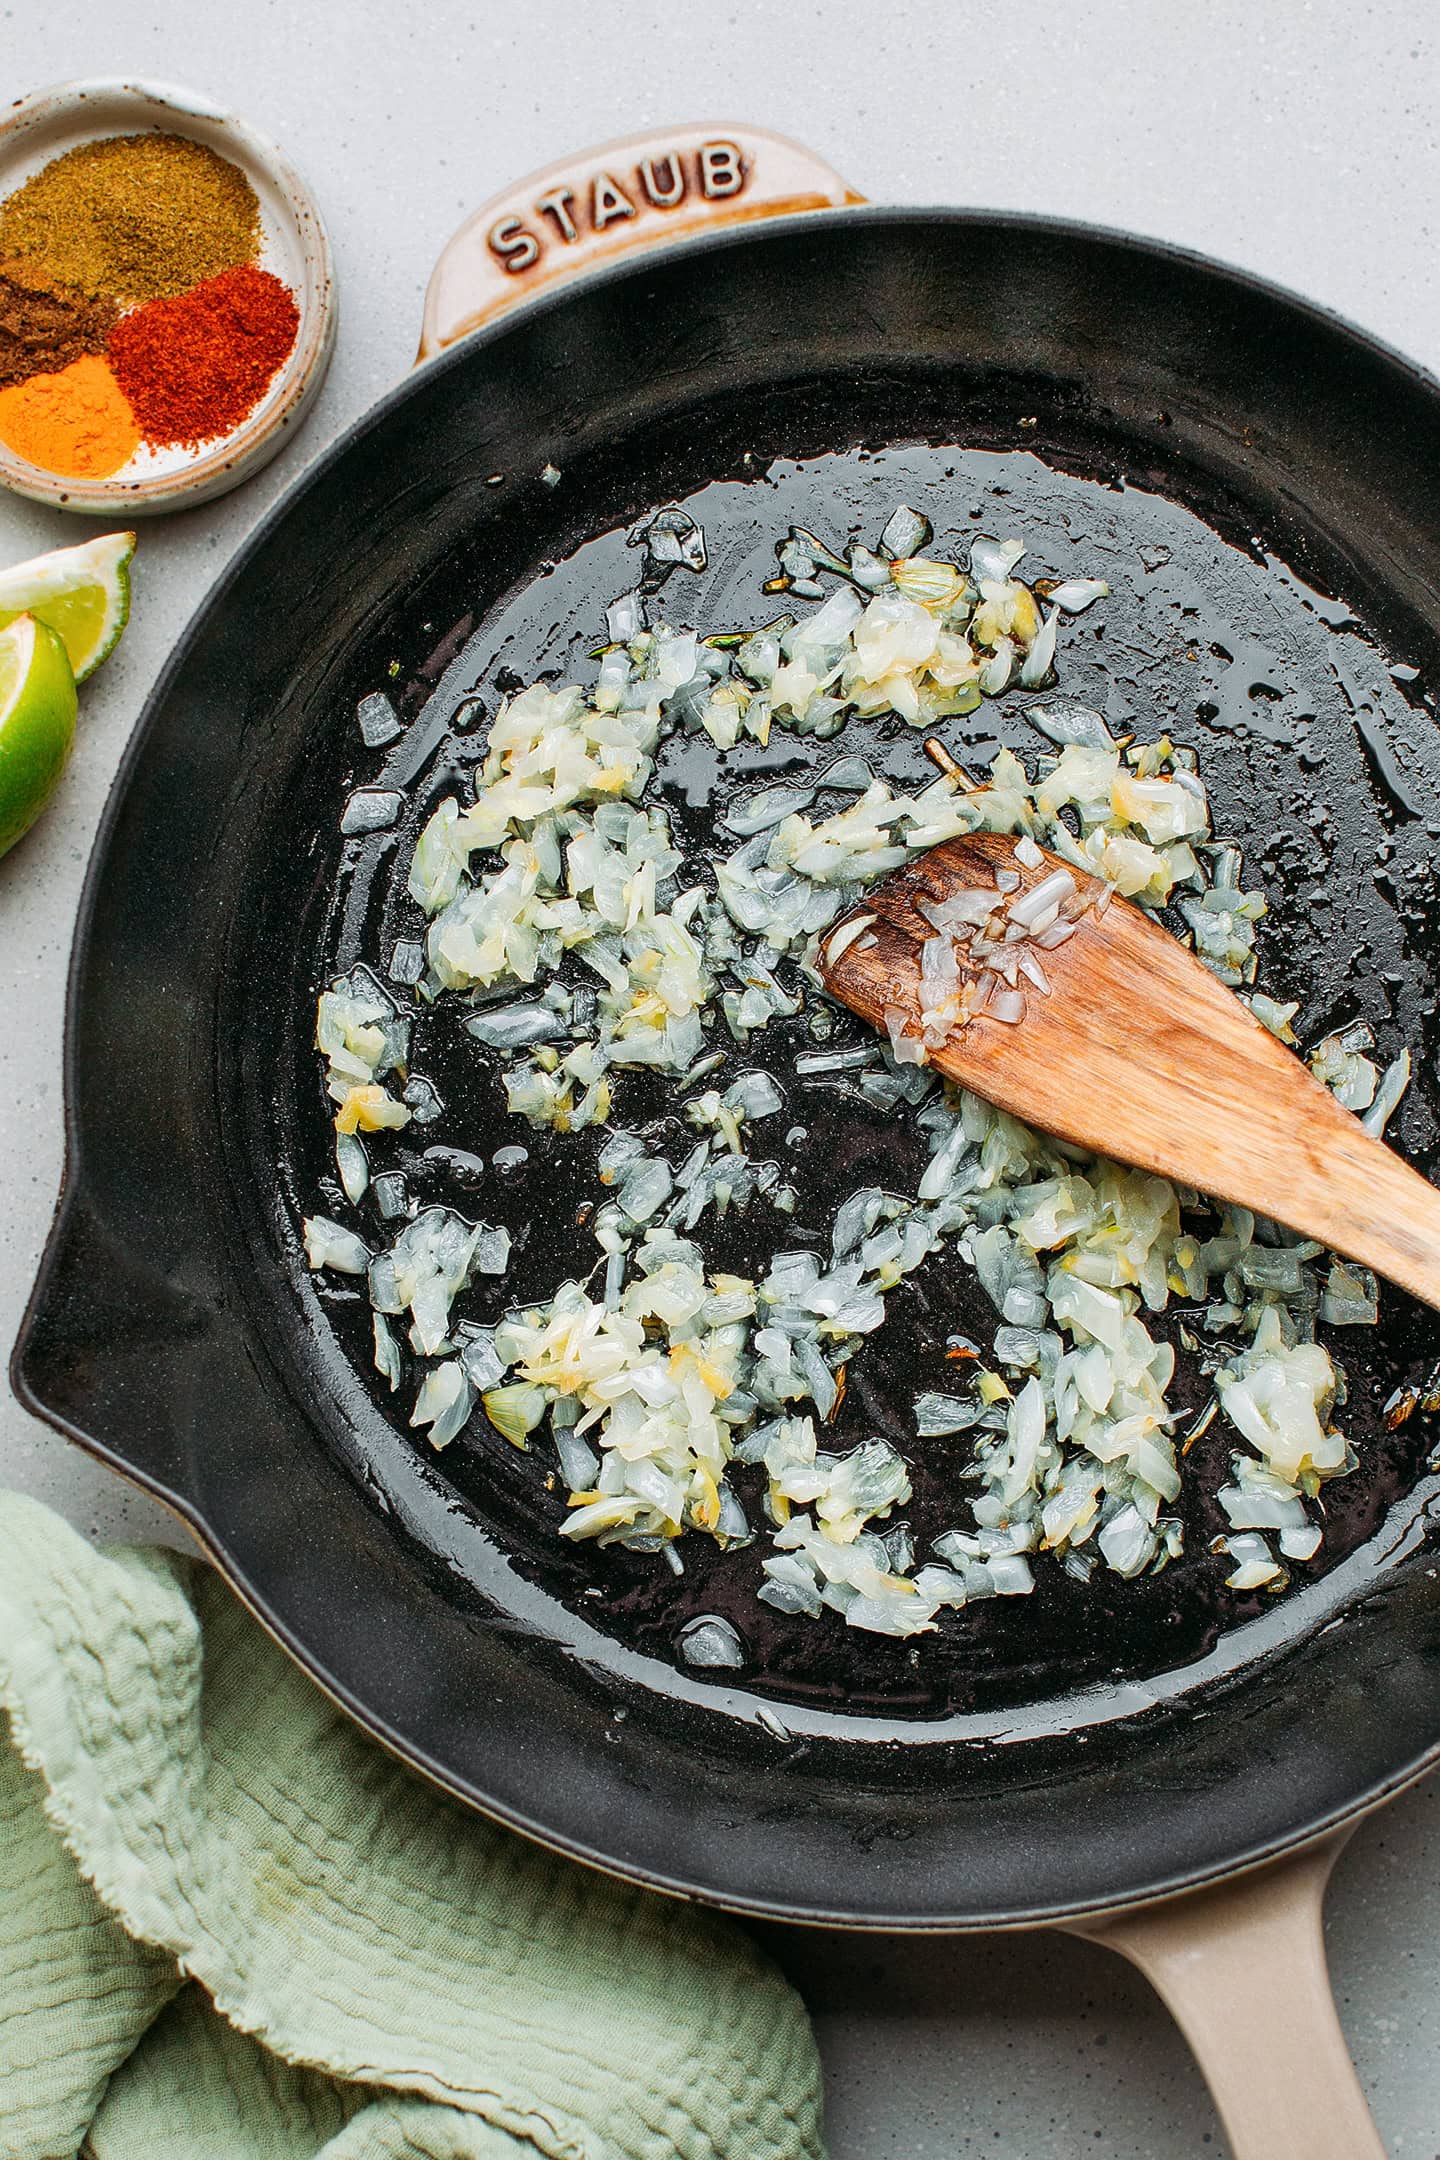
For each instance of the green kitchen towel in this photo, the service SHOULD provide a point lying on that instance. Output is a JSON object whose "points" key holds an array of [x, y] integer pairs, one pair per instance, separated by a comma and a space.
{"points": [[232, 1928]]}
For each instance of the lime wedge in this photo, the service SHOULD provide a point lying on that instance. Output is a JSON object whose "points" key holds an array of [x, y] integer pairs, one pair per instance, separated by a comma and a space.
{"points": [[37, 722], [83, 592]]}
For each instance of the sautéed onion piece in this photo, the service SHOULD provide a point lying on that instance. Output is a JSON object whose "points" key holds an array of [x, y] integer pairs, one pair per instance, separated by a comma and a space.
{"points": [[556, 913]]}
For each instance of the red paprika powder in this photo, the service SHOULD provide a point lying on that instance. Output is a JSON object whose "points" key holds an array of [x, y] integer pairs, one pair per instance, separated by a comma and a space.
{"points": [[193, 367]]}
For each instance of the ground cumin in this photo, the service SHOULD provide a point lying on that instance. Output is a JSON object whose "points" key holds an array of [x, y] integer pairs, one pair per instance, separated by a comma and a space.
{"points": [[134, 217], [44, 328], [76, 423]]}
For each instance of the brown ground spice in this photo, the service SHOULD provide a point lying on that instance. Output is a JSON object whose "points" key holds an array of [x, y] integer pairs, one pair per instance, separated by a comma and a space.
{"points": [[44, 328], [134, 217]]}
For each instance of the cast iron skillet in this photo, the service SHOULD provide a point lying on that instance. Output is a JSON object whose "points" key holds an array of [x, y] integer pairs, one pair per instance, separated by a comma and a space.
{"points": [[1236, 458]]}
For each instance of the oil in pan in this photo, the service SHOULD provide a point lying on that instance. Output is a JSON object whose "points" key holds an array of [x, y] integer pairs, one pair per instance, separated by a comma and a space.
{"points": [[1315, 756]]}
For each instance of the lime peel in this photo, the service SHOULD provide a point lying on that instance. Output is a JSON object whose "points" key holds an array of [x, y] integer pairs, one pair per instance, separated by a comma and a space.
{"points": [[37, 722], [82, 593]]}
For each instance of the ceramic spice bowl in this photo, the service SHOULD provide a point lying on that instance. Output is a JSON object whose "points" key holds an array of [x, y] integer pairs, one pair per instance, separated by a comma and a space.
{"points": [[293, 248]]}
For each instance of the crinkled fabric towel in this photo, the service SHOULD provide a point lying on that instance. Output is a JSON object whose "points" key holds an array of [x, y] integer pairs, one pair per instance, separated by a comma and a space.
{"points": [[232, 1928]]}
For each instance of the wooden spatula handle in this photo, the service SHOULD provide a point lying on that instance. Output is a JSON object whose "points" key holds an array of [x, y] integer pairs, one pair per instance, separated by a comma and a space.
{"points": [[1365, 1200], [1140, 1053]]}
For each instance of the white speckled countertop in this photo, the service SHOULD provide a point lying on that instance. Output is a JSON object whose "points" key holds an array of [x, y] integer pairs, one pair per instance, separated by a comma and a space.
{"points": [[1296, 137]]}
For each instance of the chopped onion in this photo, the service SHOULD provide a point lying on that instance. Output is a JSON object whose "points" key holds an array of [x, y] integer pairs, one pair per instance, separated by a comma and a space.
{"points": [[392, 1195], [851, 775], [515, 1411], [511, 1027], [992, 561], [1387, 1096], [330, 1245], [371, 810], [1351, 1297], [937, 1415], [905, 534], [811, 1062], [1066, 721], [1026, 912], [760, 813], [754, 1095], [625, 618], [353, 1165], [1127, 1541], [378, 722], [1076, 594], [1255, 1566], [846, 935], [646, 1187], [555, 912], [491, 1251], [579, 1464], [422, 1100], [484, 1366], [904, 1048], [444, 1403], [407, 962], [1041, 656], [388, 1360], [711, 1640]]}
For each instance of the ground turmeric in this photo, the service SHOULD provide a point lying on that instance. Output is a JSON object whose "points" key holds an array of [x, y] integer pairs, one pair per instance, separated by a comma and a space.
{"points": [[76, 423]]}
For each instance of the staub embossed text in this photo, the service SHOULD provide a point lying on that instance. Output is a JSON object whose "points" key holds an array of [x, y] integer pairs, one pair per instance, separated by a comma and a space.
{"points": [[713, 171]]}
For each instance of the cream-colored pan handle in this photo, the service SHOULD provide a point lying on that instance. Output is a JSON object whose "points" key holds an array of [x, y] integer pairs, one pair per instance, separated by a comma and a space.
{"points": [[622, 199], [1242, 1968]]}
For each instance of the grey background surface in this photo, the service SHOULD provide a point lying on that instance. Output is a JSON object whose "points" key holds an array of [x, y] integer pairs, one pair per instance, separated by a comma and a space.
{"points": [[1296, 139]]}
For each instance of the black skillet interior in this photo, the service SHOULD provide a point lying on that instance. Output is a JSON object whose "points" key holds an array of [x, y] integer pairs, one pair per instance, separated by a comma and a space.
{"points": [[1258, 485]]}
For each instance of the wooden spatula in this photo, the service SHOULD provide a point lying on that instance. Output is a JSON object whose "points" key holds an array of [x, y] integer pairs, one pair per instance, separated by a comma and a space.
{"points": [[1141, 1054]]}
